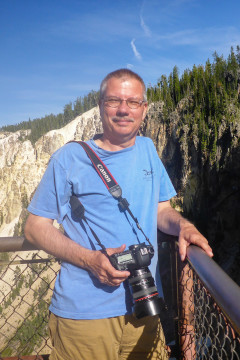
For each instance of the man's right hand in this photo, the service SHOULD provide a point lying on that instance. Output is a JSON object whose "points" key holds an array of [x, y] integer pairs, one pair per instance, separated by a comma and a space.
{"points": [[101, 268], [41, 232]]}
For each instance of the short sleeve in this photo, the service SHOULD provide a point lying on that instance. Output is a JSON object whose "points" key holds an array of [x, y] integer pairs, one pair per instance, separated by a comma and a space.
{"points": [[51, 199], [167, 190]]}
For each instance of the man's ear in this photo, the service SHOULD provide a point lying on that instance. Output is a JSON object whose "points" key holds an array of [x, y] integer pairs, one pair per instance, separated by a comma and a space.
{"points": [[145, 109], [100, 104]]}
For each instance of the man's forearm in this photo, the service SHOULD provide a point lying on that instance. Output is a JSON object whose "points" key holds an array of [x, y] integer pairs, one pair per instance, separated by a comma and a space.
{"points": [[45, 236], [169, 220], [41, 232]]}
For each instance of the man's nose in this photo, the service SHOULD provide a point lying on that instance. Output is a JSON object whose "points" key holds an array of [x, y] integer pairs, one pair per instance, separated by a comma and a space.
{"points": [[123, 107]]}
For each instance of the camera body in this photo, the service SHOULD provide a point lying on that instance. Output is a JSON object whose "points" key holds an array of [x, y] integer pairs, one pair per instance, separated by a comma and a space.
{"points": [[137, 257], [136, 260]]}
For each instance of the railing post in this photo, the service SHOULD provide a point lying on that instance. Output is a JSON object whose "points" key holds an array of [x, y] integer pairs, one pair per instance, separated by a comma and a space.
{"points": [[168, 267], [186, 312]]}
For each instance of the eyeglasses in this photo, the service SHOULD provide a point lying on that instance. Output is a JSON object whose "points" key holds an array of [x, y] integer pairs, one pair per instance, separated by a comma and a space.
{"points": [[114, 102]]}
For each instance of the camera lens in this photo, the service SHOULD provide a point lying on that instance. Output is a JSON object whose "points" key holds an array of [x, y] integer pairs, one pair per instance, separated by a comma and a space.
{"points": [[144, 293]]}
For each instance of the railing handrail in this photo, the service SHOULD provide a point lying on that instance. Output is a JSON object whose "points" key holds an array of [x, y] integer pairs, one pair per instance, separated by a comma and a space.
{"points": [[15, 243], [222, 288]]}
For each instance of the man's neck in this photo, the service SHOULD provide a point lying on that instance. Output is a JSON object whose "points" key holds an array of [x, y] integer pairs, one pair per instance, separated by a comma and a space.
{"points": [[106, 144]]}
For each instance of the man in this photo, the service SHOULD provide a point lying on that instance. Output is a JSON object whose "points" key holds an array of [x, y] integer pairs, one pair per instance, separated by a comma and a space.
{"points": [[91, 313]]}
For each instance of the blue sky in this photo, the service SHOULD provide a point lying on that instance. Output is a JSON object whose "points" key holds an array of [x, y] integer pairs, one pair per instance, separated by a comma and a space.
{"points": [[53, 51]]}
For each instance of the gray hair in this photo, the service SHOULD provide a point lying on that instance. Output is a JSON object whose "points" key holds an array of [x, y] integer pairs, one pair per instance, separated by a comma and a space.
{"points": [[122, 74]]}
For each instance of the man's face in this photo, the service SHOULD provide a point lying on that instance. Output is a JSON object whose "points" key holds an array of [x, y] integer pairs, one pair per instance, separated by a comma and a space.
{"points": [[122, 123]]}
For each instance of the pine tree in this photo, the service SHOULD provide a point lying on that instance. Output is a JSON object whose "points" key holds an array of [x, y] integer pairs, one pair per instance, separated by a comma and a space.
{"points": [[176, 86], [68, 114], [78, 107]]}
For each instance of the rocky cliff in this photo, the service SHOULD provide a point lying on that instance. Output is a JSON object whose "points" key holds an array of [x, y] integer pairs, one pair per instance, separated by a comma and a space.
{"points": [[208, 186], [22, 165]]}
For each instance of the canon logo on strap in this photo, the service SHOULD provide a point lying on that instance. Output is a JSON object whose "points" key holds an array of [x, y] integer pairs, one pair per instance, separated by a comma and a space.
{"points": [[101, 169]]}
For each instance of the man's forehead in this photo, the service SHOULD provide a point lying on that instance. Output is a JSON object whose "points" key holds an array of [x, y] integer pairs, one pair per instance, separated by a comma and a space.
{"points": [[121, 79], [114, 81]]}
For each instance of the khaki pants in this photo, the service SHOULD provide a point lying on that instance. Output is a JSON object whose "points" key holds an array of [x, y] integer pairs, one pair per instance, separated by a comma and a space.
{"points": [[119, 338]]}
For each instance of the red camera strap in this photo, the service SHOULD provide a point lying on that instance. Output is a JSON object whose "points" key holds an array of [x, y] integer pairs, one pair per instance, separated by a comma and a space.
{"points": [[109, 181]]}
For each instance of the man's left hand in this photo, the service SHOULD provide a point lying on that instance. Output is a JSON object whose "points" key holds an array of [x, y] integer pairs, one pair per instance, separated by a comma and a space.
{"points": [[190, 235], [171, 222]]}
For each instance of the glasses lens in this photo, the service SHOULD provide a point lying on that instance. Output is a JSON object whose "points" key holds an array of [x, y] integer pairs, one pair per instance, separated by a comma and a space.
{"points": [[133, 104], [112, 102]]}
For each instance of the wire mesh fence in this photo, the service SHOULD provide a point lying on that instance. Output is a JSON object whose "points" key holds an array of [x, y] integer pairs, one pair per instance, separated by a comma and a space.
{"points": [[26, 283], [205, 331]]}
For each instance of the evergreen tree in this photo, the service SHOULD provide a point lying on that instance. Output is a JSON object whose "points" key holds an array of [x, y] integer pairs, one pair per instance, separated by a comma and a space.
{"points": [[238, 54], [185, 83], [68, 113], [176, 86], [78, 107]]}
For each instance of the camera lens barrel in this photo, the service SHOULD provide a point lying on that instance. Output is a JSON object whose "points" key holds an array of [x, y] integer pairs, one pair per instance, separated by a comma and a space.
{"points": [[144, 293], [142, 284]]}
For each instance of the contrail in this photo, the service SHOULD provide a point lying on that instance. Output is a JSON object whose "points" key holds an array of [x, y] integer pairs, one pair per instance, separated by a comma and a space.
{"points": [[145, 28], [136, 53]]}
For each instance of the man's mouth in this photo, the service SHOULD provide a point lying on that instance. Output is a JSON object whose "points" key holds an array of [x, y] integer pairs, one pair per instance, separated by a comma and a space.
{"points": [[122, 120]]}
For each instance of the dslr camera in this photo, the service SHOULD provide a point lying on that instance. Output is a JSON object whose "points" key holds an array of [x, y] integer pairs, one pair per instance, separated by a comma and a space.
{"points": [[144, 292]]}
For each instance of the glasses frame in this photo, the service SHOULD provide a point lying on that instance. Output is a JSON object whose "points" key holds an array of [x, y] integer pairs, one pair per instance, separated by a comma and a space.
{"points": [[140, 102]]}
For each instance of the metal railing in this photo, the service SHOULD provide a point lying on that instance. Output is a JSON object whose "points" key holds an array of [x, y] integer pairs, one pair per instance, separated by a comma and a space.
{"points": [[202, 321], [210, 323]]}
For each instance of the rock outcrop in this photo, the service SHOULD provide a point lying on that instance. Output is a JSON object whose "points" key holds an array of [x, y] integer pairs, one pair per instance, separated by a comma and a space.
{"points": [[22, 164], [208, 184]]}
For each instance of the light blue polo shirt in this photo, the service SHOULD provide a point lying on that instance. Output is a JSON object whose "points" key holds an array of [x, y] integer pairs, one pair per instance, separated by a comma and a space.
{"points": [[144, 182]]}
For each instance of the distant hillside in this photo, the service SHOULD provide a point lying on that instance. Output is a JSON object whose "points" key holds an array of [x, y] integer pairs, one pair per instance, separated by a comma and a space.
{"points": [[22, 165], [208, 95], [41, 126]]}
